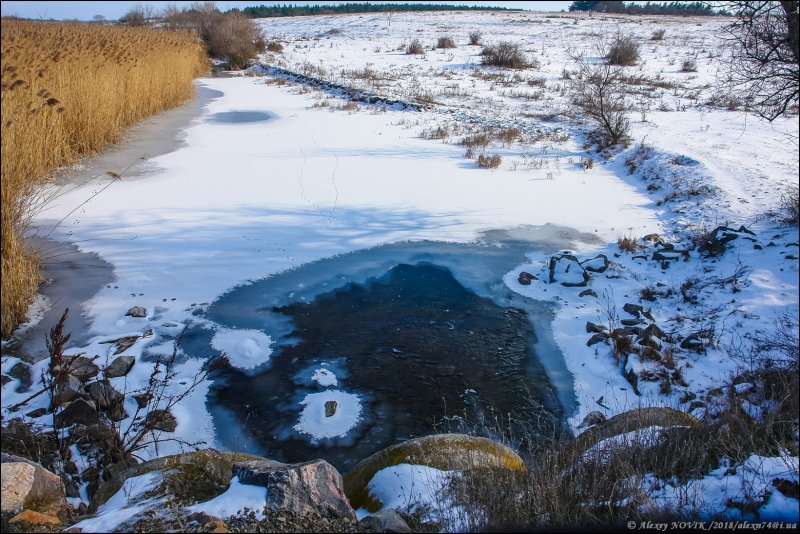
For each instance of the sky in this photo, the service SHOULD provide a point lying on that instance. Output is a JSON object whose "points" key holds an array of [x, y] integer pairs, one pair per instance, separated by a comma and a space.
{"points": [[114, 10]]}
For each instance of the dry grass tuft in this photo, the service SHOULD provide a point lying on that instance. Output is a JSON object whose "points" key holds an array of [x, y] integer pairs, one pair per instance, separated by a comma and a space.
{"points": [[489, 162], [69, 89]]}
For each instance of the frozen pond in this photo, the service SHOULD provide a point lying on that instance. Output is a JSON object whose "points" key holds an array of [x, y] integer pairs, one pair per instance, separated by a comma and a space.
{"points": [[381, 345]]}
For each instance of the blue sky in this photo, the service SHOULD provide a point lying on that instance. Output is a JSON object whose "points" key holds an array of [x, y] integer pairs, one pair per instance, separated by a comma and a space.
{"points": [[114, 10]]}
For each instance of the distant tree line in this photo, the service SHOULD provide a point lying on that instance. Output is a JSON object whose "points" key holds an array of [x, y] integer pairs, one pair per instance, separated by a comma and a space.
{"points": [[290, 10], [650, 8]]}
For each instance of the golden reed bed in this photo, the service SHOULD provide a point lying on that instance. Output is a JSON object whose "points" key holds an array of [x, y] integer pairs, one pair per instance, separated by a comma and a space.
{"points": [[69, 89]]}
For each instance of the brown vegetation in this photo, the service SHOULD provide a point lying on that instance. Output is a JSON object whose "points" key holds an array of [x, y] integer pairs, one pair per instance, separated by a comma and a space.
{"points": [[68, 89]]}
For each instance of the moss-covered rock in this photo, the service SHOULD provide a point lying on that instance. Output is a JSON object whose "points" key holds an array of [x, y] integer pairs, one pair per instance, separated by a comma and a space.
{"points": [[442, 451], [189, 477]]}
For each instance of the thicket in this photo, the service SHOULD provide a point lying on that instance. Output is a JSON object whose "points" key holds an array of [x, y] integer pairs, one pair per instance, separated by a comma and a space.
{"points": [[665, 8], [69, 89]]}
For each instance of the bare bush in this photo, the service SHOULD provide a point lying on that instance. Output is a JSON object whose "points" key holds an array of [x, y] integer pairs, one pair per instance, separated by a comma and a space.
{"points": [[445, 42], [139, 15], [689, 65], [415, 47], [489, 162], [475, 38], [275, 47], [658, 35], [599, 92], [624, 51], [237, 38], [505, 54], [790, 205], [628, 244]]}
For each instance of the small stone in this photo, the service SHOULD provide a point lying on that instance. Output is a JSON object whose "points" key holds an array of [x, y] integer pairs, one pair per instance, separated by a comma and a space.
{"points": [[597, 338], [162, 420], [142, 399], [77, 412], [137, 311], [592, 328], [588, 293], [38, 412], [104, 394], [525, 278], [385, 521], [633, 309], [22, 372], [121, 366], [82, 367], [68, 391], [330, 408], [4, 380]]}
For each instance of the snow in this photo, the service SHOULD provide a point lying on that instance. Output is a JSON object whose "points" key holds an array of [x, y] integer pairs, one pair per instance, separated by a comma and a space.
{"points": [[246, 349], [712, 495], [124, 505], [314, 422], [407, 487], [236, 498], [324, 377]]}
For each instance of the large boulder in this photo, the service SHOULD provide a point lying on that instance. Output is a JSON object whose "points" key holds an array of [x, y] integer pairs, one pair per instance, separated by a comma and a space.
{"points": [[313, 487], [445, 452], [28, 485], [385, 521]]}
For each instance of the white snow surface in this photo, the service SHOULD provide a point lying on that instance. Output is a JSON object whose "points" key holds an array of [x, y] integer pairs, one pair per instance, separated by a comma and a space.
{"points": [[749, 481], [236, 498], [407, 487], [324, 377], [314, 422], [240, 202]]}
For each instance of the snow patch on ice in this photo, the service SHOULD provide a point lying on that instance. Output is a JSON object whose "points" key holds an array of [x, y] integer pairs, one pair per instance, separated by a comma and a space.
{"points": [[324, 377], [246, 349], [314, 422]]}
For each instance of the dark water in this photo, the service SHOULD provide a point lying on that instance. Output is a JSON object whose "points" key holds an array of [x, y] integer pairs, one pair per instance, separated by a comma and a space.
{"points": [[239, 117], [415, 346]]}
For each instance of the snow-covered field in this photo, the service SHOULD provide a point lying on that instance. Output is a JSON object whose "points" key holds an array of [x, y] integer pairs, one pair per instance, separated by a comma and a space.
{"points": [[250, 195]]}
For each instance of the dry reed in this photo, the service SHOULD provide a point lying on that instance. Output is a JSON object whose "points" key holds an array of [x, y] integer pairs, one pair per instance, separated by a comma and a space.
{"points": [[69, 89]]}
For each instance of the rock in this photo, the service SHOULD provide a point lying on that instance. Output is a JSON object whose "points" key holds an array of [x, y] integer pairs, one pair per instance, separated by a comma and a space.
{"points": [[104, 394], [330, 408], [525, 278], [82, 367], [22, 372], [76, 412], [314, 487], [4, 380], [693, 342], [626, 331], [26, 484], [652, 330], [190, 477], [162, 420], [593, 418], [631, 322], [68, 390], [137, 311], [122, 343], [633, 309], [595, 328], [598, 264], [566, 269], [588, 293], [597, 338], [669, 255], [385, 521], [38, 412], [29, 516], [121, 366], [445, 452]]}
